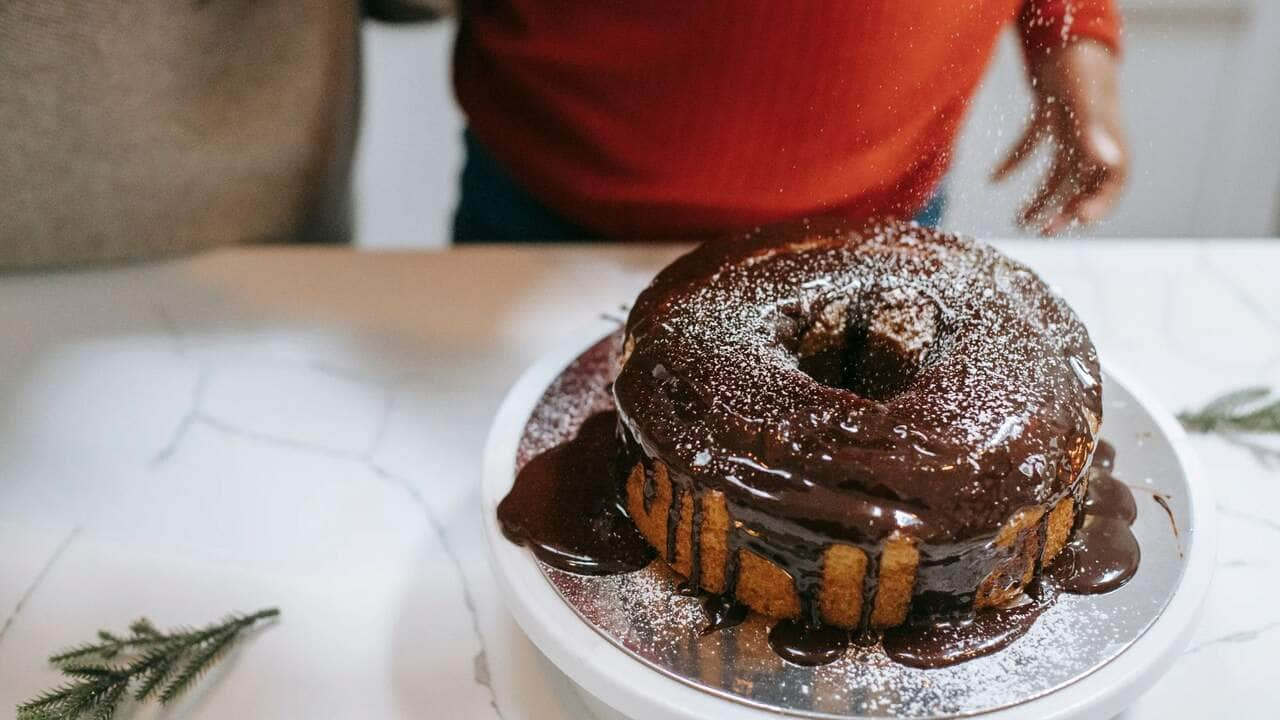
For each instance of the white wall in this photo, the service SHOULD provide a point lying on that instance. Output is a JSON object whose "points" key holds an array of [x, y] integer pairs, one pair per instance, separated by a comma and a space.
{"points": [[1202, 98], [410, 149]]}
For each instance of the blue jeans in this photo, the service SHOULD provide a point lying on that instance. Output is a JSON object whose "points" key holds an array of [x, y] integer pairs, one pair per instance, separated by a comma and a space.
{"points": [[493, 207]]}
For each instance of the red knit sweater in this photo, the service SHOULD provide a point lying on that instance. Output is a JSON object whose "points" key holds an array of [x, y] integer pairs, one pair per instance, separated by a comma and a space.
{"points": [[665, 118]]}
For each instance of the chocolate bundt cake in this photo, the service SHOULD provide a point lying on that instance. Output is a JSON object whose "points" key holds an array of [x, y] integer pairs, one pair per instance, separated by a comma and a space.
{"points": [[832, 423]]}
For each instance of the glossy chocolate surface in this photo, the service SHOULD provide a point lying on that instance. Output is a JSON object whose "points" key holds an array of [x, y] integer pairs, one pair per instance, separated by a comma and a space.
{"points": [[723, 612], [644, 615], [807, 644], [944, 639], [1103, 554], [977, 388], [564, 505], [1107, 496], [937, 635], [841, 386]]}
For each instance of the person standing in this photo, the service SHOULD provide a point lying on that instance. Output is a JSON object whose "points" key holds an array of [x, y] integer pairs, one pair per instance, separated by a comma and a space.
{"points": [[675, 119]]}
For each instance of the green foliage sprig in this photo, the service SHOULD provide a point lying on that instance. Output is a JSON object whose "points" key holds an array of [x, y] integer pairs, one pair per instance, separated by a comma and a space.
{"points": [[160, 665], [1248, 410], [1239, 417]]}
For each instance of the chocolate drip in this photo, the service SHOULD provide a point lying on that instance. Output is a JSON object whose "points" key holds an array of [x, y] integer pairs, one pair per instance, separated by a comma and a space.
{"points": [[1163, 502], [870, 586], [808, 583], [723, 612], [805, 643], [1042, 533], [1103, 553], [793, 550], [1104, 456], [565, 505], [840, 385], [695, 541], [1102, 556], [1108, 497], [801, 352], [649, 490], [732, 559], [942, 640], [673, 519]]}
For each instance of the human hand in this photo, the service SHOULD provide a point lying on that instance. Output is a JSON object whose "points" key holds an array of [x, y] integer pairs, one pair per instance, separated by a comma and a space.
{"points": [[1077, 109]]}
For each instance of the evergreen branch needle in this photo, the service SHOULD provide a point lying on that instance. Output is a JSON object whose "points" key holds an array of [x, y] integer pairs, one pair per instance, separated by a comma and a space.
{"points": [[1248, 410], [98, 675]]}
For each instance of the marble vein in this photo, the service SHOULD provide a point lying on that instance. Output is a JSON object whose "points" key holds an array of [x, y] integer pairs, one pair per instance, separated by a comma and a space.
{"points": [[1256, 308], [480, 669], [1258, 520], [38, 580], [195, 415], [1241, 636], [189, 418]]}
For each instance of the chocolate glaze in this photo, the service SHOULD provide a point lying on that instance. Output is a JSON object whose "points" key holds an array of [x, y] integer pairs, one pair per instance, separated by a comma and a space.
{"points": [[565, 505], [1103, 553], [673, 523], [1163, 502], [649, 490], [722, 612], [842, 386], [1101, 556], [1104, 457], [1108, 496], [938, 639], [805, 643], [562, 498], [869, 588]]}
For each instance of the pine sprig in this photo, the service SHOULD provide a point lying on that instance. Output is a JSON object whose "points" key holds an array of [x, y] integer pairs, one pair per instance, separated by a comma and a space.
{"points": [[1240, 417], [209, 653], [93, 693], [161, 664], [1248, 410]]}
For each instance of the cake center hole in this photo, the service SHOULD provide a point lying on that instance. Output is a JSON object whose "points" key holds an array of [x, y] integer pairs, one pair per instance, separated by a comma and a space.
{"points": [[859, 360]]}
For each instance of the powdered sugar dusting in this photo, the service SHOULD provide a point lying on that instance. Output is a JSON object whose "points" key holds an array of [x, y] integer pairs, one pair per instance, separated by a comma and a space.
{"points": [[1001, 404], [644, 614], [578, 392]]}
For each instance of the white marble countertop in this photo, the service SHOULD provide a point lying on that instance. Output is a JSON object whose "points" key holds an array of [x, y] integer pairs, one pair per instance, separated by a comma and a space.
{"points": [[302, 428]]}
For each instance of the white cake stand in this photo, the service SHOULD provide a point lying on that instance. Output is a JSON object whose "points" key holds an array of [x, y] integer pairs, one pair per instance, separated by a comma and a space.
{"points": [[616, 684]]}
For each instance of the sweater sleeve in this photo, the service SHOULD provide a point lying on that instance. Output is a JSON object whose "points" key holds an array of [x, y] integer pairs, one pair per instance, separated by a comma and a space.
{"points": [[1049, 24]]}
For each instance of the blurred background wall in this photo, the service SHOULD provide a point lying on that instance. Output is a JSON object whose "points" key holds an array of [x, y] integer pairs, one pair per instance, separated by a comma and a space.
{"points": [[1201, 92]]}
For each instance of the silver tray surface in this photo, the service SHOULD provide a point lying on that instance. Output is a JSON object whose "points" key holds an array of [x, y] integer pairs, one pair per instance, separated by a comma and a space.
{"points": [[644, 615]]}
